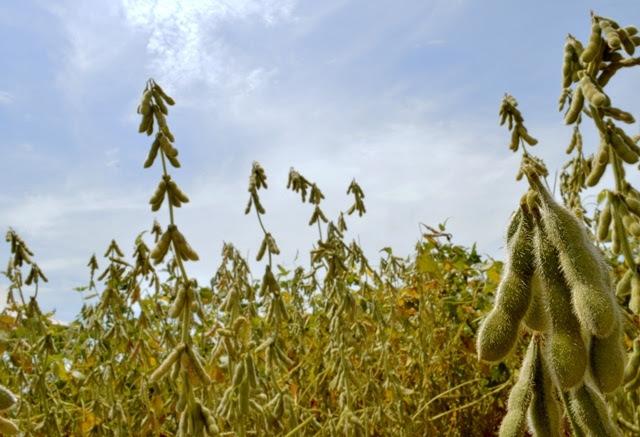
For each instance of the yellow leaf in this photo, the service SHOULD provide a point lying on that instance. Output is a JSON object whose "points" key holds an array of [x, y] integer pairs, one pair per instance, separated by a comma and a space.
{"points": [[89, 421]]}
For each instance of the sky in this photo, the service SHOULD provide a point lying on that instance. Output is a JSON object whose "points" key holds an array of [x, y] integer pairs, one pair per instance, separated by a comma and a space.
{"points": [[402, 96]]}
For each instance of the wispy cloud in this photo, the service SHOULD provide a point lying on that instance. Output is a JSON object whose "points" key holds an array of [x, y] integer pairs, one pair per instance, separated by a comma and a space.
{"points": [[184, 40], [5, 98], [40, 214]]}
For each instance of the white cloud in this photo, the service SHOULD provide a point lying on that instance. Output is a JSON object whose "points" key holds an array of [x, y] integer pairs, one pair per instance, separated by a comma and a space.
{"points": [[183, 39], [49, 212]]}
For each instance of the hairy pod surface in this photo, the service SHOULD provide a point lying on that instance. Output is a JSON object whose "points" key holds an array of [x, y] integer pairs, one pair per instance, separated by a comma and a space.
{"points": [[537, 317], [590, 412], [582, 265], [545, 414], [565, 351], [606, 359], [499, 331], [514, 422]]}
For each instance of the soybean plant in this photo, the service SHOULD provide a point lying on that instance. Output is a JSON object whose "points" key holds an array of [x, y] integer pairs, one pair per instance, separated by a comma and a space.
{"points": [[558, 283], [183, 362]]}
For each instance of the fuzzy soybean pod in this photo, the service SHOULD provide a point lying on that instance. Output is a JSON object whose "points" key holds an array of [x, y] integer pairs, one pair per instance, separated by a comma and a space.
{"points": [[590, 411], [516, 217], [514, 422], [545, 414], [606, 359], [583, 267], [565, 350], [499, 331], [537, 317]]}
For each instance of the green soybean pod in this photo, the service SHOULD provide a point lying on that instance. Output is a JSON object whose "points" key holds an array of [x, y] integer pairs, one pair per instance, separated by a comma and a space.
{"points": [[514, 422], [598, 168], [583, 267], [596, 97], [615, 240], [162, 246], [621, 148], [169, 361], [537, 317], [610, 34], [499, 331], [516, 217], [606, 359], [591, 413], [633, 205], [178, 303], [631, 224], [623, 288], [594, 46], [497, 336], [565, 351], [545, 415], [577, 102], [604, 222], [153, 152], [567, 65]]}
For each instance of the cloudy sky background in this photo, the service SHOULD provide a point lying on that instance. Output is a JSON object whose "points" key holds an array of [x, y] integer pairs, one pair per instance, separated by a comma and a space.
{"points": [[402, 96]]}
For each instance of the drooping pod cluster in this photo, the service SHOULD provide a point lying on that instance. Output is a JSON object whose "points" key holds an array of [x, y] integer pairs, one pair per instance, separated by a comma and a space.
{"points": [[558, 283], [510, 114]]}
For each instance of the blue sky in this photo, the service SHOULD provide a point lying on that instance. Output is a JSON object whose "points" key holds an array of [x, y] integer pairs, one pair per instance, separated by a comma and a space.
{"points": [[403, 96]]}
